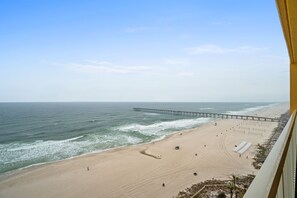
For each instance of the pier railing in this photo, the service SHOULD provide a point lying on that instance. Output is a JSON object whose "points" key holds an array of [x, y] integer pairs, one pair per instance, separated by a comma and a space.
{"points": [[277, 176], [206, 115]]}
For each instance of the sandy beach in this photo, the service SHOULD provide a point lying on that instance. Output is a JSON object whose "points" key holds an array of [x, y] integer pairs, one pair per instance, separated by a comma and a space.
{"points": [[140, 170]]}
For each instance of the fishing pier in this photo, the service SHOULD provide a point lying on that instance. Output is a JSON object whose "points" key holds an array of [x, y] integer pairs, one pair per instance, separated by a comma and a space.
{"points": [[206, 115]]}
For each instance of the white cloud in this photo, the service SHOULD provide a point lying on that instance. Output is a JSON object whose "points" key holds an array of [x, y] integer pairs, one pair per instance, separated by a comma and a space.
{"points": [[108, 67], [215, 49], [251, 49], [104, 67], [207, 49], [139, 29]]}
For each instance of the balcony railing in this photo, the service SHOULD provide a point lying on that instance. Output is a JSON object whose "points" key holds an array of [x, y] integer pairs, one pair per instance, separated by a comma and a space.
{"points": [[276, 178]]}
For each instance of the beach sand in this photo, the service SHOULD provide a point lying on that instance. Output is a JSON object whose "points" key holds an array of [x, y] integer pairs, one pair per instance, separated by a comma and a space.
{"points": [[141, 170]]}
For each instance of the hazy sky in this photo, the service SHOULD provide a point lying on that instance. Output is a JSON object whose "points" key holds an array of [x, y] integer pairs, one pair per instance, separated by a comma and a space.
{"points": [[142, 50]]}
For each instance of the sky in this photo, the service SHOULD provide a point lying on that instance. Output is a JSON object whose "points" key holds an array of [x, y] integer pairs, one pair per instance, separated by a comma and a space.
{"points": [[142, 50]]}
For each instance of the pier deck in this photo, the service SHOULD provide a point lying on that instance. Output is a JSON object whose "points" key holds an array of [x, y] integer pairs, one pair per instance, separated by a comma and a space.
{"points": [[207, 115]]}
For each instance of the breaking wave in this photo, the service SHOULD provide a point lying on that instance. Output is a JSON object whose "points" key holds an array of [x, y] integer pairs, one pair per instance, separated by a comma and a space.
{"points": [[161, 127], [246, 111], [16, 155]]}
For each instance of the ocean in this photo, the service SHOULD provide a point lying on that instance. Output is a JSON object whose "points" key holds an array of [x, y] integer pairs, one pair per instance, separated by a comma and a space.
{"points": [[35, 133]]}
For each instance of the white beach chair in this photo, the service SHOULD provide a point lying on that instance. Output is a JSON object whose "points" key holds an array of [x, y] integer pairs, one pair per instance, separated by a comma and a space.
{"points": [[245, 148], [240, 146]]}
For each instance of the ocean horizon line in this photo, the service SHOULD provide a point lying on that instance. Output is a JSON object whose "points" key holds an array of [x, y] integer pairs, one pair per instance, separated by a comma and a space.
{"points": [[144, 102]]}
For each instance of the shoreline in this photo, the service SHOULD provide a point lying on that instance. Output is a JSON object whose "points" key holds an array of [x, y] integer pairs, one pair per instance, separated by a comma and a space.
{"points": [[96, 152], [15, 171], [125, 162]]}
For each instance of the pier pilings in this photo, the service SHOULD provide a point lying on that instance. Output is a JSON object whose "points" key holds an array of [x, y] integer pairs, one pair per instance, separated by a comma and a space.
{"points": [[206, 115]]}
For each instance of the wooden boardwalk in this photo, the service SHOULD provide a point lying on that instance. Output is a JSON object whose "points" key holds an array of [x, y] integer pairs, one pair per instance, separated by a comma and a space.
{"points": [[207, 115]]}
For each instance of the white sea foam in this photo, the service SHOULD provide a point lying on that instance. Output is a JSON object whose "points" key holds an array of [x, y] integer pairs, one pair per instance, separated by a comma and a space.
{"points": [[60, 149], [205, 108], [157, 128], [117, 139], [151, 114], [246, 111], [36, 144]]}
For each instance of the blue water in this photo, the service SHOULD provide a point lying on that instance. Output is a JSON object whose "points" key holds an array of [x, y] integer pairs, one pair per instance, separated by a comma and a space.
{"points": [[32, 133]]}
